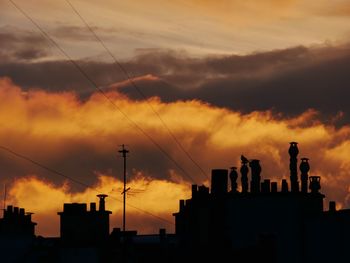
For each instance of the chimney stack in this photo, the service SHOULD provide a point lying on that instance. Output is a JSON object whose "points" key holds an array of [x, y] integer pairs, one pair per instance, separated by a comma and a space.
{"points": [[293, 164], [219, 181], [315, 184], [332, 206], [256, 170], [304, 169], [233, 179], [273, 187], [244, 173], [194, 191], [92, 207], [284, 188], [102, 202]]}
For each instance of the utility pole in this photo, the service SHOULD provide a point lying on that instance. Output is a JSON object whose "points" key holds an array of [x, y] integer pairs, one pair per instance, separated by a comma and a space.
{"points": [[124, 151]]}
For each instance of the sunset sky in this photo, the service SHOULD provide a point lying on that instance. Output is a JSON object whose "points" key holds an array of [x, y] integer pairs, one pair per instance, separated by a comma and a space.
{"points": [[224, 78]]}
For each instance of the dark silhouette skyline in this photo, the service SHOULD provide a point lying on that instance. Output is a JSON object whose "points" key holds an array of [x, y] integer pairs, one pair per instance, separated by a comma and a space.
{"points": [[267, 222]]}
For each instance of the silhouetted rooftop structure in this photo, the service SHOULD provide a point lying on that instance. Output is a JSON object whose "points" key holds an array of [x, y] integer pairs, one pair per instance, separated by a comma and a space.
{"points": [[78, 226], [17, 222], [280, 224], [256, 220]]}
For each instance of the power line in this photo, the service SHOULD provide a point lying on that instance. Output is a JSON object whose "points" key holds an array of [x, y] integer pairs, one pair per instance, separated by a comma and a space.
{"points": [[79, 68], [131, 81], [53, 171]]}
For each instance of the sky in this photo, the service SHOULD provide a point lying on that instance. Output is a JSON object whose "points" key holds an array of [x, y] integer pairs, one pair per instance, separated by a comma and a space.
{"points": [[214, 80]]}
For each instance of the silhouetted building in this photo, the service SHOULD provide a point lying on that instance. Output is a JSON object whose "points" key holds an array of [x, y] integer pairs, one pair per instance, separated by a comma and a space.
{"points": [[258, 221], [16, 222], [78, 226], [264, 224]]}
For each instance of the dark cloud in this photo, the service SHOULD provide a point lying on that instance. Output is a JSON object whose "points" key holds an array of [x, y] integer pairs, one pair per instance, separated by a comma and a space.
{"points": [[289, 81], [18, 45]]}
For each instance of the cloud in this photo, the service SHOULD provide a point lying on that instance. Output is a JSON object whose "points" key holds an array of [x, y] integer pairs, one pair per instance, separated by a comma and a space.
{"points": [[80, 139], [290, 80], [146, 195], [234, 11], [20, 45]]}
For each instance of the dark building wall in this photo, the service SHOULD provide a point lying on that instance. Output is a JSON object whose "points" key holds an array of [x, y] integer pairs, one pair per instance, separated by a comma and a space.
{"points": [[17, 222], [267, 221], [328, 237], [279, 216], [83, 227]]}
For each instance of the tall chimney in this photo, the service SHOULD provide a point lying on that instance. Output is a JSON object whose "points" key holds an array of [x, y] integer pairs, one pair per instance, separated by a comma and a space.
{"points": [[304, 169], [233, 179], [256, 170], [102, 202], [244, 173], [293, 164], [219, 180]]}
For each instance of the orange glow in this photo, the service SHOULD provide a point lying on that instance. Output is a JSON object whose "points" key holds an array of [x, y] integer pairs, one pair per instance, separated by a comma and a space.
{"points": [[58, 127], [152, 196]]}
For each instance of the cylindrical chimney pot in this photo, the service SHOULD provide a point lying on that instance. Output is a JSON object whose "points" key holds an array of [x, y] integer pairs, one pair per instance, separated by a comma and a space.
{"points": [[284, 186], [92, 207]]}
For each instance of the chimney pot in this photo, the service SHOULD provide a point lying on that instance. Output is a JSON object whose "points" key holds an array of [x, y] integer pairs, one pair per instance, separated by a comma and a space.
{"points": [[273, 187], [332, 206]]}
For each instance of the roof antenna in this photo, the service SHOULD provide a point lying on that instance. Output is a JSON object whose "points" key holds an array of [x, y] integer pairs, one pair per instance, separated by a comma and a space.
{"points": [[124, 151]]}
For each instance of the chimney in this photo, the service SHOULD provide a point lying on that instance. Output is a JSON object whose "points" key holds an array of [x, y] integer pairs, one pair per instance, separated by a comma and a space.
{"points": [[182, 205], [92, 207], [256, 170], [265, 186], [233, 179], [16, 210], [8, 212], [244, 174], [332, 207], [219, 178], [284, 188], [194, 191], [315, 184], [304, 169], [162, 234], [273, 187], [102, 202], [21, 212], [293, 164]]}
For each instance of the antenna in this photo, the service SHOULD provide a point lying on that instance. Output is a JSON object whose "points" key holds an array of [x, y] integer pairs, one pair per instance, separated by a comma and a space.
{"points": [[124, 151]]}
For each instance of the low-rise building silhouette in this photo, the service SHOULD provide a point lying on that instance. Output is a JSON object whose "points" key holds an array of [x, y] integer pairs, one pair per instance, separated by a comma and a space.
{"points": [[278, 225], [16, 222], [78, 226], [257, 220]]}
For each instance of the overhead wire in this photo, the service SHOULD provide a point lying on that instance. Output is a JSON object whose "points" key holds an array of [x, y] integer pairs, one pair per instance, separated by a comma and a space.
{"points": [[92, 82], [53, 171], [132, 82]]}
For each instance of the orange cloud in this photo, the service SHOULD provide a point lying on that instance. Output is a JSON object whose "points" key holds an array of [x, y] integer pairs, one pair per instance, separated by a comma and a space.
{"points": [[147, 195], [81, 138]]}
